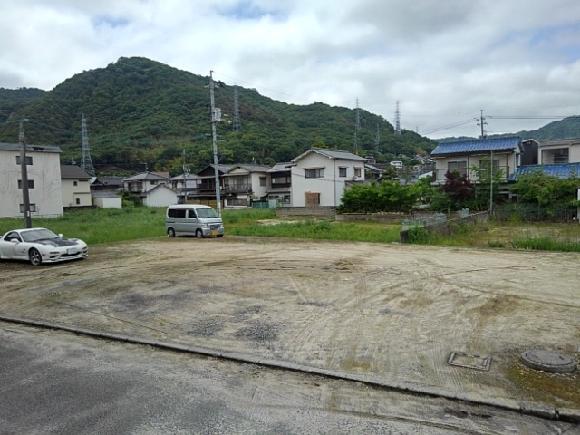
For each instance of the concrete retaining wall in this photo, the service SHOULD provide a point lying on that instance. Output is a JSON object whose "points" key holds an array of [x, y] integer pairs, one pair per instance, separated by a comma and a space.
{"points": [[387, 218], [316, 212]]}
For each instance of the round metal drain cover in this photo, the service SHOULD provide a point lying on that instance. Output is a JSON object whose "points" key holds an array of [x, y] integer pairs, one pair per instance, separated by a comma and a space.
{"points": [[548, 361]]}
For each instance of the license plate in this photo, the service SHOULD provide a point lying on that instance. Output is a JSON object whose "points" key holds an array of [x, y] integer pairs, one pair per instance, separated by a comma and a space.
{"points": [[72, 251]]}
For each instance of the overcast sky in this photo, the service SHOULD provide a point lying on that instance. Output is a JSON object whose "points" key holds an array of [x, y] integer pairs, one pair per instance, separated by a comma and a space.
{"points": [[444, 60]]}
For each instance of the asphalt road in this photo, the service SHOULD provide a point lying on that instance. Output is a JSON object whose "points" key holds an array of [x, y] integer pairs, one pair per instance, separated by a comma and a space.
{"points": [[53, 382]]}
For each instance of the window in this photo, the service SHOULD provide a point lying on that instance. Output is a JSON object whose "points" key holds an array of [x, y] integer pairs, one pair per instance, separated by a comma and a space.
{"points": [[32, 208], [30, 184], [176, 213], [77, 201], [342, 172], [358, 172], [12, 236], [484, 165], [281, 180], [191, 214], [75, 183], [314, 173], [263, 181], [152, 182], [459, 166], [28, 159], [561, 155]]}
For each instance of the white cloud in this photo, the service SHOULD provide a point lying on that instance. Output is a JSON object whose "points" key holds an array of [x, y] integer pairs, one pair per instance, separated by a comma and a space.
{"points": [[443, 60]]}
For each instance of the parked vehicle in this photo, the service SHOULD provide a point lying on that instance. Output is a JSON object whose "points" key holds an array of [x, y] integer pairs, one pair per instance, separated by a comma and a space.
{"points": [[194, 220], [40, 245]]}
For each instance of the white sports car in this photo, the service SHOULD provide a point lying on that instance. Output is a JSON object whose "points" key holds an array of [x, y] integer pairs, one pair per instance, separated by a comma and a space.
{"points": [[39, 245]]}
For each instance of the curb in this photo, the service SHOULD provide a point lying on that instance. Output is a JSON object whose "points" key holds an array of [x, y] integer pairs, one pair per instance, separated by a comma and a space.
{"points": [[532, 409]]}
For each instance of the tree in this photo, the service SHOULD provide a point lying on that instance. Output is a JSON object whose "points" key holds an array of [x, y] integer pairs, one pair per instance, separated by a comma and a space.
{"points": [[459, 189]]}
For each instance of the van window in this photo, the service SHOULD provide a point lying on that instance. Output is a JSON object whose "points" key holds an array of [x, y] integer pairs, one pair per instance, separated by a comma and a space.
{"points": [[176, 212], [206, 213], [191, 214]]}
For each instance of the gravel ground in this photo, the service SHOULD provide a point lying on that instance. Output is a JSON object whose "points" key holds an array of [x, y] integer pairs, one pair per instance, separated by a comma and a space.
{"points": [[391, 312]]}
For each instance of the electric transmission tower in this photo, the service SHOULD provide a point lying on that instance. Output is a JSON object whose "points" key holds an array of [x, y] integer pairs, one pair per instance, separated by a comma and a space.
{"points": [[86, 160], [398, 119], [378, 136], [236, 124], [356, 127]]}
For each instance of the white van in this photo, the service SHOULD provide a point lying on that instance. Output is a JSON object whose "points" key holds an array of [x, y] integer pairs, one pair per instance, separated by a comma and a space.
{"points": [[193, 220]]}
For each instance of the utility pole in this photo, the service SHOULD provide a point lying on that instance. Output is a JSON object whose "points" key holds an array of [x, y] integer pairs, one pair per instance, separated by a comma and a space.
{"points": [[490, 182], [356, 127], [215, 117], [86, 160], [24, 176], [184, 176], [398, 119], [236, 124], [482, 122]]}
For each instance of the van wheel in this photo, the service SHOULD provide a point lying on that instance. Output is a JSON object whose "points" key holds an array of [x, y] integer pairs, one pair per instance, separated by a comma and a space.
{"points": [[198, 233], [35, 257], [170, 232]]}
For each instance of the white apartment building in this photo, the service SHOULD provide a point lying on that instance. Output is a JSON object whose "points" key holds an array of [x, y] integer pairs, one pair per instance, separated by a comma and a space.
{"points": [[320, 176], [245, 183], [76, 187], [44, 181]]}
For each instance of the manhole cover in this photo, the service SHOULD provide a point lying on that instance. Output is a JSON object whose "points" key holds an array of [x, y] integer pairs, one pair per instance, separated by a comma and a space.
{"points": [[548, 361], [475, 362]]}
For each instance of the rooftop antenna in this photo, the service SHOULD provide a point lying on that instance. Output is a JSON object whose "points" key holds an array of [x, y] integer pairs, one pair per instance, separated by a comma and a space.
{"points": [[356, 127], [86, 160], [398, 119]]}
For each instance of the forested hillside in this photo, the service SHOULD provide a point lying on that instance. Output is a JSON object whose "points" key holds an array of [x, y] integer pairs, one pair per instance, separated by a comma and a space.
{"points": [[140, 111], [568, 128], [12, 100]]}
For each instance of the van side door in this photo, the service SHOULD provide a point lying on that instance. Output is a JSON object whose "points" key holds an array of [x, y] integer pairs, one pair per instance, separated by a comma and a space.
{"points": [[192, 221]]}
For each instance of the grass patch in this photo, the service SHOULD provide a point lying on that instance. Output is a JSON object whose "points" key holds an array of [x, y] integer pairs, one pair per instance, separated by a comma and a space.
{"points": [[96, 226], [323, 230], [546, 244]]}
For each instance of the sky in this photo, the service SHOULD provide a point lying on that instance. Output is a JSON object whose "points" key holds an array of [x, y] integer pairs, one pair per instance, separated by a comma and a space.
{"points": [[443, 60]]}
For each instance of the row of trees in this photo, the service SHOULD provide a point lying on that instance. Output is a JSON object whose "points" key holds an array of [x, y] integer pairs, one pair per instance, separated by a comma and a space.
{"points": [[535, 189]]}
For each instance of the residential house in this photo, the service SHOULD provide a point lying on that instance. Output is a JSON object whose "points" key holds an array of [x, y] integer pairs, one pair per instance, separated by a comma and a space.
{"points": [[106, 199], [76, 186], [184, 185], [205, 192], [245, 183], [143, 182], [44, 181], [469, 156], [160, 196], [558, 158], [280, 183], [109, 183], [320, 176]]}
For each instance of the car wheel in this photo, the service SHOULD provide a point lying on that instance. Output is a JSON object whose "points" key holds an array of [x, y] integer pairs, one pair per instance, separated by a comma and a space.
{"points": [[35, 257], [198, 233], [170, 232]]}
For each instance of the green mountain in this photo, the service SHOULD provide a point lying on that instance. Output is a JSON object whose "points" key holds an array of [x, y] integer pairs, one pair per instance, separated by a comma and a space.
{"points": [[568, 128], [140, 111], [11, 100]]}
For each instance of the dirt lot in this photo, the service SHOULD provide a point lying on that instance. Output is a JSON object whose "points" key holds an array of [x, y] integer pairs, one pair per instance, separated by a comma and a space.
{"points": [[392, 312]]}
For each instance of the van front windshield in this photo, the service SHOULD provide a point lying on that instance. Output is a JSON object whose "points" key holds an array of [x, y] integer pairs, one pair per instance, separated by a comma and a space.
{"points": [[204, 213]]}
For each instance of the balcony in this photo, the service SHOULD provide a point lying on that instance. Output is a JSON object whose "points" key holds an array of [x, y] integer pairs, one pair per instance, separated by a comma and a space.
{"points": [[238, 188], [472, 174]]}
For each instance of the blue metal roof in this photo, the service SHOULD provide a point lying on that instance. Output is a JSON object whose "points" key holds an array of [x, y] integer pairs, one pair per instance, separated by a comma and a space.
{"points": [[476, 145], [563, 170]]}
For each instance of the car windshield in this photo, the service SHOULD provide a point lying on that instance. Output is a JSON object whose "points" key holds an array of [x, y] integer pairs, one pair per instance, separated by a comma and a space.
{"points": [[32, 235], [206, 213]]}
